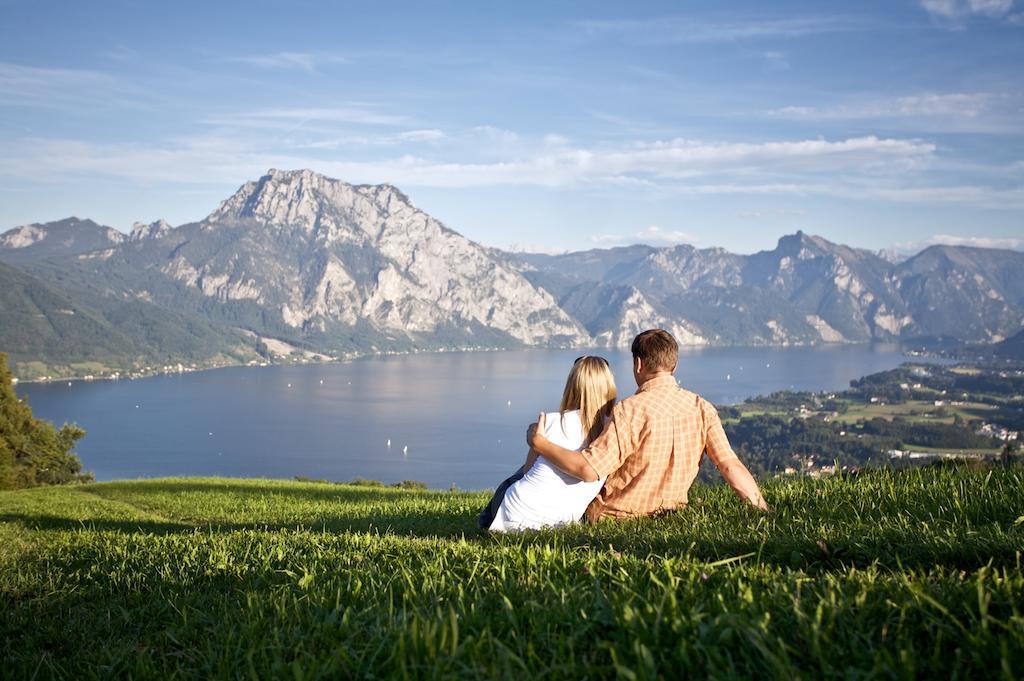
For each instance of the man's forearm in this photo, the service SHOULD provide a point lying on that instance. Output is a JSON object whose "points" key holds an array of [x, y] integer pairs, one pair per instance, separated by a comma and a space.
{"points": [[531, 458], [743, 483], [565, 460]]}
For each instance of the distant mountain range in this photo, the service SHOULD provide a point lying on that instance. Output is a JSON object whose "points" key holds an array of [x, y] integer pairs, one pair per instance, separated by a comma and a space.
{"points": [[806, 290], [336, 268]]}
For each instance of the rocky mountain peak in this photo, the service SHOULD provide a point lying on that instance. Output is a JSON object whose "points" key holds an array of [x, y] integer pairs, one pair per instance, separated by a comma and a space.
{"points": [[891, 255], [22, 237], [321, 255], [803, 246], [944, 258], [303, 198], [153, 230], [70, 236]]}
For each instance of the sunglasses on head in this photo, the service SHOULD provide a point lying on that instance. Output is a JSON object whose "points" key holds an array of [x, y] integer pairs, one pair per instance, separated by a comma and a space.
{"points": [[601, 359]]}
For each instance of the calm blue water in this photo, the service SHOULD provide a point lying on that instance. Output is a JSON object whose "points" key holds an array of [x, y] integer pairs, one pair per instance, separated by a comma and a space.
{"points": [[461, 415]]}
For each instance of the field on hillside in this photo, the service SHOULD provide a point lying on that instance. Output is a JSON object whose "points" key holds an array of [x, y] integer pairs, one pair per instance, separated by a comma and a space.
{"points": [[889, 574], [917, 411]]}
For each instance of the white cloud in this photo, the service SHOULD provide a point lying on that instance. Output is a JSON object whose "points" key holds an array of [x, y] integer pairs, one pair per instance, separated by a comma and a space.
{"points": [[990, 112], [653, 235], [973, 195], [495, 135], [421, 136], [1012, 243], [861, 169], [342, 114], [382, 140], [670, 161], [22, 85], [776, 60], [966, 104], [771, 213], [553, 140], [292, 118], [305, 61], [681, 30], [665, 157], [951, 9], [120, 53]]}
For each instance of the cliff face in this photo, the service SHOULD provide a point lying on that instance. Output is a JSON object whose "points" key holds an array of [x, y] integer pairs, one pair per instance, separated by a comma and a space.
{"points": [[319, 251]]}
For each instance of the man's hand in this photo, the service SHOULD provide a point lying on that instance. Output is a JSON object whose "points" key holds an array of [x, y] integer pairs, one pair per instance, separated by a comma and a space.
{"points": [[565, 460], [535, 432], [743, 483], [759, 503]]}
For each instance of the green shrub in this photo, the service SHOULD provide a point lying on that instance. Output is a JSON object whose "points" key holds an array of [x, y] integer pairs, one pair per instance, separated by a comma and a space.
{"points": [[410, 484], [363, 482], [32, 451]]}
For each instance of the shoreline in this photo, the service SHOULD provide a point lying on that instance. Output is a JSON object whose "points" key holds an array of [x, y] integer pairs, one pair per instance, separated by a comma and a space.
{"points": [[908, 352]]}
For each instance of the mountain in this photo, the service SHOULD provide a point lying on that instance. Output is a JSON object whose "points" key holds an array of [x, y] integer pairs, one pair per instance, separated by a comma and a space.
{"points": [[805, 290], [974, 294], [57, 330], [70, 236], [152, 230], [303, 258], [337, 268], [41, 322], [1011, 348]]}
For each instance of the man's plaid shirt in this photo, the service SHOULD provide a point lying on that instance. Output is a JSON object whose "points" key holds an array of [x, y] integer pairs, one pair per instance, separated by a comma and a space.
{"points": [[651, 450]]}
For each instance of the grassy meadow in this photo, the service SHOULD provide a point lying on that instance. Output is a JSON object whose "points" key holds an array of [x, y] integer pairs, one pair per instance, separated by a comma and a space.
{"points": [[911, 574]]}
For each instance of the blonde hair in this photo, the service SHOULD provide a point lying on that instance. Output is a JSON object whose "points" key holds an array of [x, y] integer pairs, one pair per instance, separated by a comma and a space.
{"points": [[590, 388]]}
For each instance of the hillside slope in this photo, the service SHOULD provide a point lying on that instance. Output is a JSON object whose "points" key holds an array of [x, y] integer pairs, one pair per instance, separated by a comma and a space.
{"points": [[1011, 348], [912, 574], [40, 322], [48, 331]]}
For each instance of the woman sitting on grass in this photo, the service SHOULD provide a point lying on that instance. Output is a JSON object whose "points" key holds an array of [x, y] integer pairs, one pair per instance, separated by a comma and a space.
{"points": [[540, 495]]}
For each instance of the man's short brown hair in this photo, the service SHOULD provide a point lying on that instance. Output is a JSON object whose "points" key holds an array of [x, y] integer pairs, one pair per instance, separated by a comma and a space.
{"points": [[657, 349]]}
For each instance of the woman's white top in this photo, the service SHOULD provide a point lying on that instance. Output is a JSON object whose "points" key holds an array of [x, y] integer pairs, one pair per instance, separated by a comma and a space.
{"points": [[546, 496]]}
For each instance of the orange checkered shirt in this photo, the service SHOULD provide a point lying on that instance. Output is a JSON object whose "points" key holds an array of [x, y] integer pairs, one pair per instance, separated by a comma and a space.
{"points": [[651, 450]]}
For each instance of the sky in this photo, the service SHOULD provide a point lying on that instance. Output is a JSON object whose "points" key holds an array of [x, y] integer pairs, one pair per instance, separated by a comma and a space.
{"points": [[542, 126]]}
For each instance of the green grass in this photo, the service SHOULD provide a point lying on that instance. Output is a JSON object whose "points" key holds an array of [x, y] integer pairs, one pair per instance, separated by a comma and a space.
{"points": [[910, 574], [915, 411]]}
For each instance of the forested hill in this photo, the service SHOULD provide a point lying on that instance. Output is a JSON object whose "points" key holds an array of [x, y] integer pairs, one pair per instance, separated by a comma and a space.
{"points": [[47, 329], [1011, 348]]}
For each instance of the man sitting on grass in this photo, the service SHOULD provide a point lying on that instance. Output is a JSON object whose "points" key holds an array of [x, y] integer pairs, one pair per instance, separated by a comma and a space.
{"points": [[652, 446]]}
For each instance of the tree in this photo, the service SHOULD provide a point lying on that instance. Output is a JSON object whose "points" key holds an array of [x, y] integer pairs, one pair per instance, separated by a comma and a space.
{"points": [[1006, 455], [32, 451]]}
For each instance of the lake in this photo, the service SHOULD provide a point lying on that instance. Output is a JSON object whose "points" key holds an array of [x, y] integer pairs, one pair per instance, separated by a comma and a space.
{"points": [[451, 418]]}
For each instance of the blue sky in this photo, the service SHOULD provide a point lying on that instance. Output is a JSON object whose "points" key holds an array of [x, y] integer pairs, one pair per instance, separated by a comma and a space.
{"points": [[544, 125]]}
